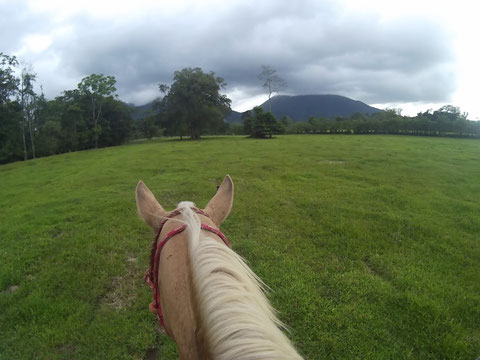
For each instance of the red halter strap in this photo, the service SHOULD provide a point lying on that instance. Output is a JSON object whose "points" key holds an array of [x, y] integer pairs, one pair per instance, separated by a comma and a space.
{"points": [[151, 275]]}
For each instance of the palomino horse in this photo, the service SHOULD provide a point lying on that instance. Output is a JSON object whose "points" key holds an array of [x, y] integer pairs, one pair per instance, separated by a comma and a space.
{"points": [[205, 296]]}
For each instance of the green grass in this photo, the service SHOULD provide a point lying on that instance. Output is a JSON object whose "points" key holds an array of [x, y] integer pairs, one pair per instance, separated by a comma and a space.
{"points": [[371, 244]]}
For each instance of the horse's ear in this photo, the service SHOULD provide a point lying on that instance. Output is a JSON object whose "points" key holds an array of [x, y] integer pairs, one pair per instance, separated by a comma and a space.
{"points": [[220, 205], [148, 207]]}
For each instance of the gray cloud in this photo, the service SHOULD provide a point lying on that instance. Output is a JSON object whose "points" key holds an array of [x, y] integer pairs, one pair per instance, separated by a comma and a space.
{"points": [[317, 47], [15, 22]]}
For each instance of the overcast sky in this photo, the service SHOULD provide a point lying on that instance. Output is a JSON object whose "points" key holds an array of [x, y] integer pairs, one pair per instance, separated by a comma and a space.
{"points": [[410, 54]]}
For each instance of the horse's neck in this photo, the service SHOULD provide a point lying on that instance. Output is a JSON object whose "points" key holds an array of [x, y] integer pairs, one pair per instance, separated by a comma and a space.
{"points": [[176, 294], [223, 286], [196, 293]]}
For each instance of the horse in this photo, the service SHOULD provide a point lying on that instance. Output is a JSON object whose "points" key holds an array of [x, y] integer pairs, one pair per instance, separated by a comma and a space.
{"points": [[204, 295]]}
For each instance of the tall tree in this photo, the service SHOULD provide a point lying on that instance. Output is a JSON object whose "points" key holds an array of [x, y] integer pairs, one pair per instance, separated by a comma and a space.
{"points": [[116, 121], [47, 126], [271, 81], [10, 136], [10, 111], [73, 114], [146, 126], [8, 80], [193, 103], [97, 88], [28, 100]]}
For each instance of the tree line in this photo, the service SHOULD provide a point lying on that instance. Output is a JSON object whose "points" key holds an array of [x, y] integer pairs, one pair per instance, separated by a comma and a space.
{"points": [[92, 116], [31, 126], [446, 121]]}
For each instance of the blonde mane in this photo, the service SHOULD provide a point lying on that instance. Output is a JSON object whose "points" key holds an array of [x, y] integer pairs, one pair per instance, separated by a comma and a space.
{"points": [[236, 319]]}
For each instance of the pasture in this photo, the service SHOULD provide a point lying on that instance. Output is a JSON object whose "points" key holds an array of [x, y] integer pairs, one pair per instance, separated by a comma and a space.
{"points": [[371, 244]]}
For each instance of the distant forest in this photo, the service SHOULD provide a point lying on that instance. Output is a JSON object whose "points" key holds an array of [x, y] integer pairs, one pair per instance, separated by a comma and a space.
{"points": [[92, 116], [447, 121]]}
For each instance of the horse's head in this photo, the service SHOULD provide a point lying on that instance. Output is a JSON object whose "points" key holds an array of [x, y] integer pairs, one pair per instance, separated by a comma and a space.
{"points": [[211, 300]]}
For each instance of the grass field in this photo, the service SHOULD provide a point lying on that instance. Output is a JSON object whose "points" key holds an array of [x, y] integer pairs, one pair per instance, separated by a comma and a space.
{"points": [[371, 244]]}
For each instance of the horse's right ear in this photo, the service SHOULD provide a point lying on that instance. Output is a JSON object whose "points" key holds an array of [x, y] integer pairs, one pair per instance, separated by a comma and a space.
{"points": [[220, 205], [148, 207]]}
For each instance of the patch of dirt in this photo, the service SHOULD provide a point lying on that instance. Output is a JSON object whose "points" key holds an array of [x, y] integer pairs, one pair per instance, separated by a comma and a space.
{"points": [[56, 233], [369, 266], [67, 349], [377, 270], [152, 354], [332, 162], [160, 330], [122, 291], [11, 289]]}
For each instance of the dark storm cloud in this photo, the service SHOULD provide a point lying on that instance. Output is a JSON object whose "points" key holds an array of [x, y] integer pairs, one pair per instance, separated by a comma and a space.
{"points": [[317, 47]]}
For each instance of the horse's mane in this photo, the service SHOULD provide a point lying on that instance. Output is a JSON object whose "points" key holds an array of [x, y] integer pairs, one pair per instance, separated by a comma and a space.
{"points": [[235, 318]]}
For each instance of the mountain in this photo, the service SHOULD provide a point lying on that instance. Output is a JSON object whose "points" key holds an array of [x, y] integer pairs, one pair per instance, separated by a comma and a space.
{"points": [[298, 108], [142, 111], [301, 107]]}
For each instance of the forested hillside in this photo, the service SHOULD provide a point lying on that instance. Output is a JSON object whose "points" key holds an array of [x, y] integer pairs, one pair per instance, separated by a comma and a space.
{"points": [[89, 116]]}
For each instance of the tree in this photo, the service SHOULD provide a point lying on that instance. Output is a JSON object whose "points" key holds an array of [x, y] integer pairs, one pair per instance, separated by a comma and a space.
{"points": [[116, 122], [452, 113], [71, 111], [193, 103], [49, 134], [286, 121], [97, 88], [146, 126], [248, 122], [28, 99], [272, 82], [8, 81], [10, 111], [260, 124], [10, 136], [72, 120]]}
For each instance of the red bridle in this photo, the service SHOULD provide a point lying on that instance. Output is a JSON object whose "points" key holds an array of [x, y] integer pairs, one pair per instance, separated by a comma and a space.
{"points": [[151, 275]]}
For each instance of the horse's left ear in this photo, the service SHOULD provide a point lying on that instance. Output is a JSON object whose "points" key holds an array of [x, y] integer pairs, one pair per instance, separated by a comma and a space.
{"points": [[148, 207], [220, 205]]}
